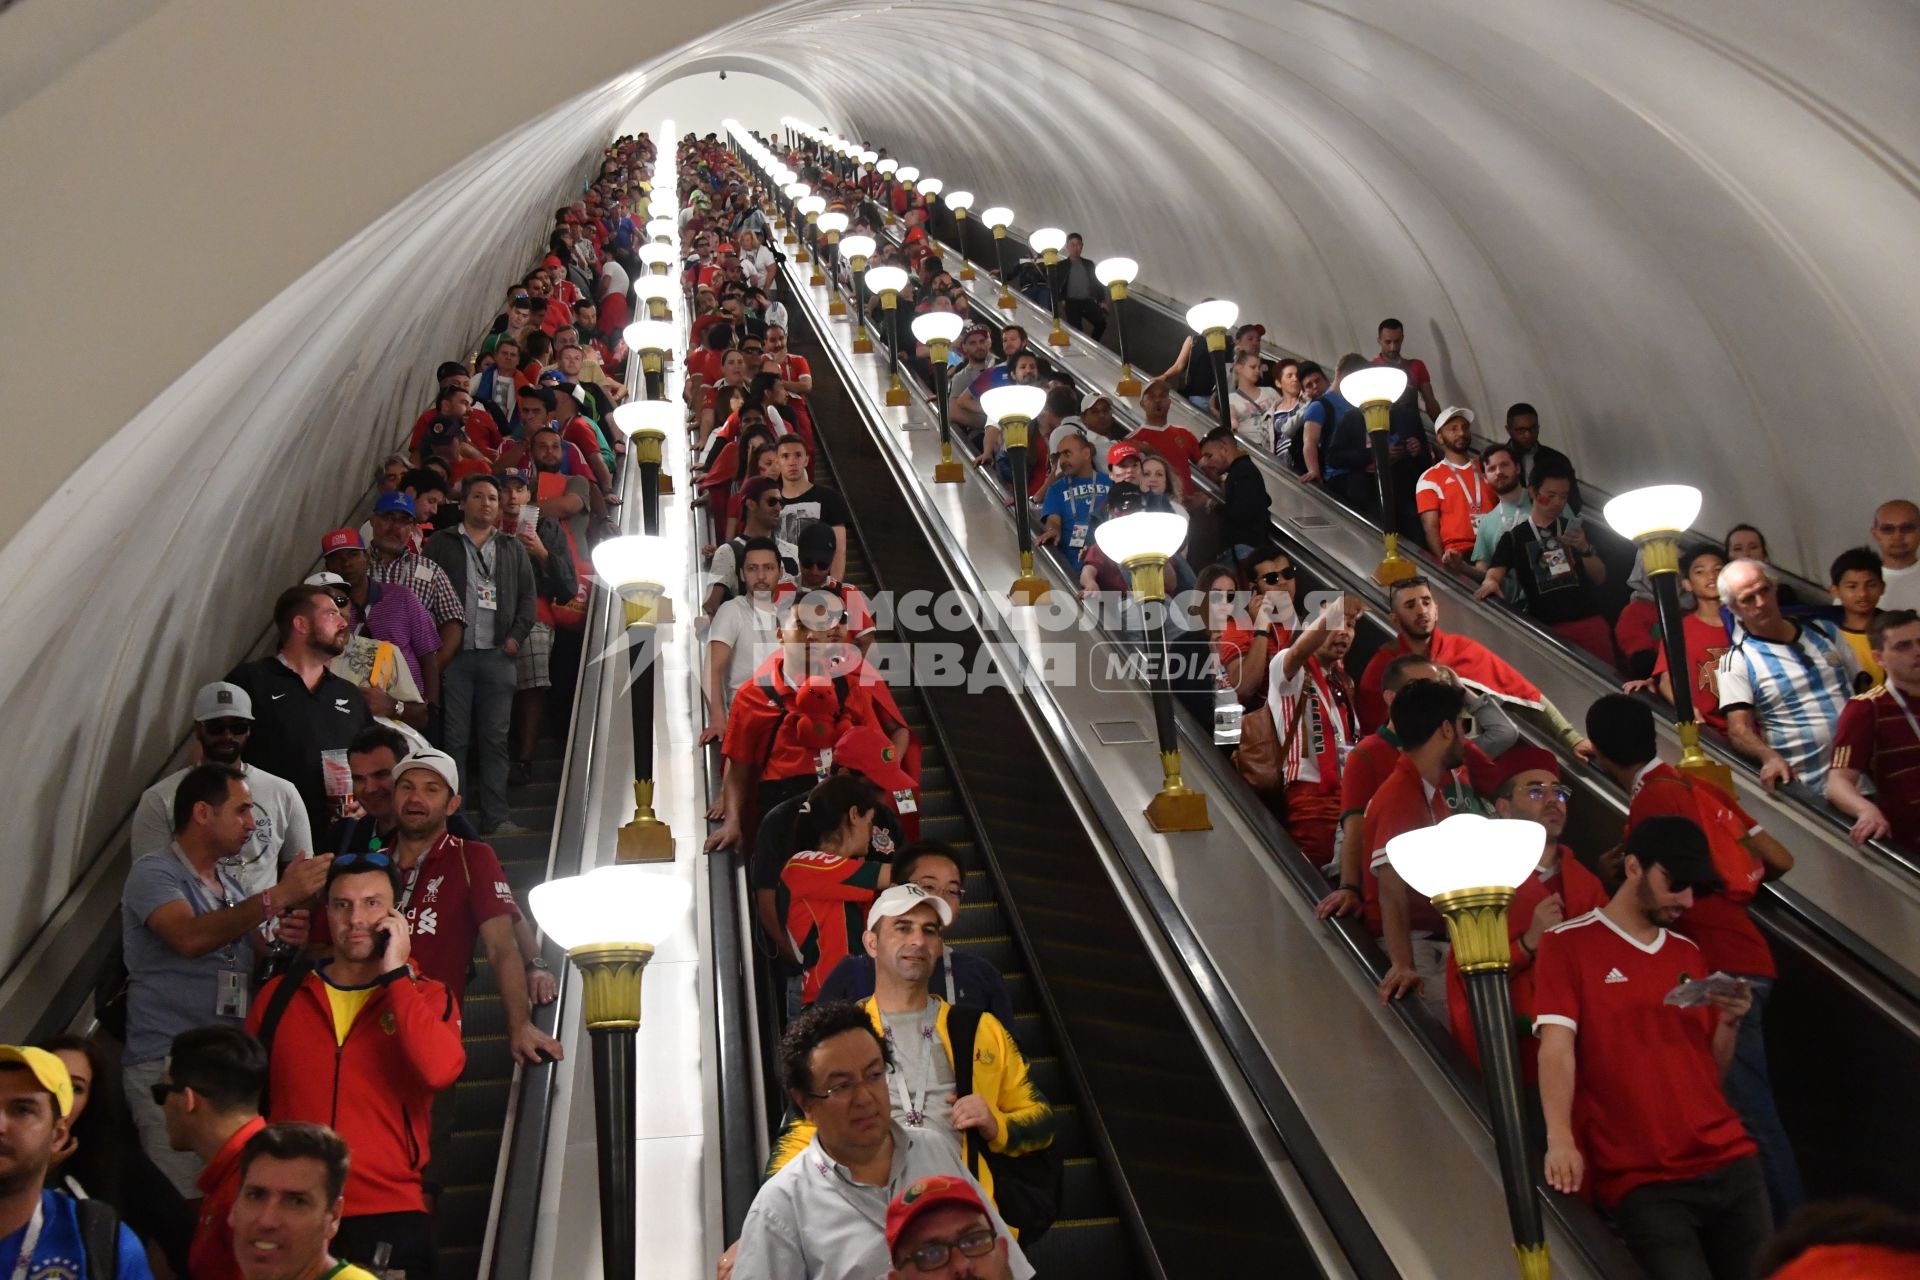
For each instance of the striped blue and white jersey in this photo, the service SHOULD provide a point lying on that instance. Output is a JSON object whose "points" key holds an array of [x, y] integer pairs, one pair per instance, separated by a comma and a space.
{"points": [[1795, 689]]}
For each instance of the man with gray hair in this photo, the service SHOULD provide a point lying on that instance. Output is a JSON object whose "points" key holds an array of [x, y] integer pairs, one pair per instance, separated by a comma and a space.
{"points": [[1783, 683]]}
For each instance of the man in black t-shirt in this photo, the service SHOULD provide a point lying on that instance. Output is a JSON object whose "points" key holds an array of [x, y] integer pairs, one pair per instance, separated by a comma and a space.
{"points": [[807, 501], [1555, 565]]}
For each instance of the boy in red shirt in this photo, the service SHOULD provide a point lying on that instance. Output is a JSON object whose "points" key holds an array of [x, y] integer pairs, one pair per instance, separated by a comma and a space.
{"points": [[1631, 1083]]}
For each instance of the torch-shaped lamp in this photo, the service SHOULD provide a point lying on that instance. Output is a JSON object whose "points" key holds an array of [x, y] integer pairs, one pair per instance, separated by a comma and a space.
{"points": [[888, 282], [639, 568], [1372, 390], [1117, 274], [939, 330], [1014, 407]]}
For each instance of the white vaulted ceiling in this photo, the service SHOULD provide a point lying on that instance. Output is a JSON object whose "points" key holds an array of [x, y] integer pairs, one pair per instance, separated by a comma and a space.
{"points": [[238, 237]]}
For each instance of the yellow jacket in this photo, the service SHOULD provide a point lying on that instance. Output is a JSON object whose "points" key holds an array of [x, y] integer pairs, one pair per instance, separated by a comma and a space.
{"points": [[1000, 1077]]}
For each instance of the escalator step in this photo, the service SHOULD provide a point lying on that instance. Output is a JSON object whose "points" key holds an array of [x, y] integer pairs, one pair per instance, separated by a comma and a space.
{"points": [[482, 1015], [461, 1213], [470, 1157], [479, 1103], [488, 1058], [1084, 1191], [977, 920], [1092, 1247]]}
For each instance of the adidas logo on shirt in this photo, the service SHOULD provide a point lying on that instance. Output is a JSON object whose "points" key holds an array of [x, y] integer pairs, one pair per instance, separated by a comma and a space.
{"points": [[1614, 975]]}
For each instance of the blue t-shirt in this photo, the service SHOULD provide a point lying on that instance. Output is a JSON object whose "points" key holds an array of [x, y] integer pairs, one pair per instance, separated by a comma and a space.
{"points": [[1073, 500], [59, 1255], [1316, 411], [168, 993]]}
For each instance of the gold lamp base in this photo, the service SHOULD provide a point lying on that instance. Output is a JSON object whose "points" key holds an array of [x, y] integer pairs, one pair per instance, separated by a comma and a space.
{"points": [[800, 254], [1534, 1263], [1176, 807], [1129, 387], [1057, 336], [966, 272], [862, 344], [646, 838], [1695, 763], [949, 472], [1005, 301], [816, 279], [610, 983], [788, 238], [837, 305], [666, 484], [1477, 924], [1029, 588], [897, 397], [1394, 567]]}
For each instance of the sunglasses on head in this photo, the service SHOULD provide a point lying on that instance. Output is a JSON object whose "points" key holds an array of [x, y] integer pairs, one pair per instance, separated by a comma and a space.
{"points": [[352, 861]]}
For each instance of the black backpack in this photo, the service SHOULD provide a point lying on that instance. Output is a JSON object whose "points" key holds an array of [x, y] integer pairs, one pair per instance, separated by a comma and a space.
{"points": [[100, 1237], [1027, 1189]]}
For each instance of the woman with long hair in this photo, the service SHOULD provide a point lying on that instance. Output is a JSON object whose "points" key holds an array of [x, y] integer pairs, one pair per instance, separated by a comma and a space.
{"points": [[830, 881], [102, 1159]]}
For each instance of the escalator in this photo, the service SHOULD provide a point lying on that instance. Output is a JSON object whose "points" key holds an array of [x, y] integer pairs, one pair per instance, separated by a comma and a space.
{"points": [[1162, 1176], [1843, 1030]]}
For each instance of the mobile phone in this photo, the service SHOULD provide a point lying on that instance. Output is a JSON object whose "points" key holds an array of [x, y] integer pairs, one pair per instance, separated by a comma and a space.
{"points": [[382, 938]]}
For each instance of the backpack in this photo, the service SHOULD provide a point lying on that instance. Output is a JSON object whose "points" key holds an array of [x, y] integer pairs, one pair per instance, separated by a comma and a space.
{"points": [[1027, 1189], [100, 1238]]}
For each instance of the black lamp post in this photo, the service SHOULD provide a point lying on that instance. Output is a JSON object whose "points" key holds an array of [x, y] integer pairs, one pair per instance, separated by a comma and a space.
{"points": [[1372, 390], [1117, 274], [1014, 407], [939, 330], [888, 282]]}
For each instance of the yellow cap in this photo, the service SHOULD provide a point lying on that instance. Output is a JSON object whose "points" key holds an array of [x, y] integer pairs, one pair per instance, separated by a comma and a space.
{"points": [[47, 1069]]}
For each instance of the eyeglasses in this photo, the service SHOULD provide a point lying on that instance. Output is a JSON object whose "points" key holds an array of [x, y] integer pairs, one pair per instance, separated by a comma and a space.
{"points": [[934, 887], [227, 728], [933, 1255], [163, 1090], [1541, 791], [874, 1079], [355, 860], [773, 500], [1275, 578]]}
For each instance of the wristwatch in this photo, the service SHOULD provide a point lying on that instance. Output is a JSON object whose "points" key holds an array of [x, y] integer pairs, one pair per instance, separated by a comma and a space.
{"points": [[399, 709], [538, 962]]}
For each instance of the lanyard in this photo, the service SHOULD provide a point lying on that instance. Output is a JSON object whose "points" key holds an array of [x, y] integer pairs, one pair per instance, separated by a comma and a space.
{"points": [[913, 1111], [1477, 496], [1554, 530], [481, 557], [31, 1241]]}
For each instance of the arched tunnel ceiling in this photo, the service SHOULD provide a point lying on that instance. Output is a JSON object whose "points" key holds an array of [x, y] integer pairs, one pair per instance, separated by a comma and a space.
{"points": [[1686, 230]]}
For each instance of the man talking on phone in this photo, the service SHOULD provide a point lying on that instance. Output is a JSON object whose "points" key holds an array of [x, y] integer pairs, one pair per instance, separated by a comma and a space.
{"points": [[363, 1043]]}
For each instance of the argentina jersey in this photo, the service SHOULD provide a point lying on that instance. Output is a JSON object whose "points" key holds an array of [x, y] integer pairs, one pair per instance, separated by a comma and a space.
{"points": [[1796, 689]]}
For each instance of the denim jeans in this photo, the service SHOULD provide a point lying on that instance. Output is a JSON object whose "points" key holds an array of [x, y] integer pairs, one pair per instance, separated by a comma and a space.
{"points": [[477, 691], [1749, 1088]]}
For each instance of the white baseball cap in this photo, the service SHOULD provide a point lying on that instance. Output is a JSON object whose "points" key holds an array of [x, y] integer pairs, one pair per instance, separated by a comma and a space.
{"points": [[903, 898], [438, 761], [324, 579], [1453, 411], [222, 701]]}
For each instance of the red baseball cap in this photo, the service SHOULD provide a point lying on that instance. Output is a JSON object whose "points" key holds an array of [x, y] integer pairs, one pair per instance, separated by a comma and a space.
{"points": [[1121, 451], [870, 753], [928, 1193], [341, 540]]}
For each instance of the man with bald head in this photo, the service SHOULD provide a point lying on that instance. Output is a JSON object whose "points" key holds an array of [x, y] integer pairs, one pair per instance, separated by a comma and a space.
{"points": [[1783, 683], [1896, 535]]}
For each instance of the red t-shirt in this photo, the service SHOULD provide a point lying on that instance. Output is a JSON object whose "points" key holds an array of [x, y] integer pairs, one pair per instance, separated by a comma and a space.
{"points": [[579, 433], [1416, 370], [704, 363], [1718, 923], [1875, 737], [1648, 1104], [1705, 642], [211, 1255], [1459, 494], [1176, 444], [1373, 758], [453, 890], [826, 913], [1402, 804]]}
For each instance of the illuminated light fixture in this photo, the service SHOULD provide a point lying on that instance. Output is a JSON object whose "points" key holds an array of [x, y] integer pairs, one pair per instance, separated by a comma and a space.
{"points": [[609, 922], [663, 231], [857, 249], [659, 258], [938, 331], [1012, 408], [1213, 320], [888, 282], [652, 340], [1143, 541], [1655, 517], [641, 570], [1373, 389], [659, 293], [810, 207], [1116, 274], [1469, 866], [1048, 242], [646, 423], [831, 224], [960, 202], [998, 219]]}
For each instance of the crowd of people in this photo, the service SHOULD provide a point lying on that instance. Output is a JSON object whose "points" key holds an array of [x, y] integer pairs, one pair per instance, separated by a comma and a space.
{"points": [[309, 893], [1349, 756], [271, 1092]]}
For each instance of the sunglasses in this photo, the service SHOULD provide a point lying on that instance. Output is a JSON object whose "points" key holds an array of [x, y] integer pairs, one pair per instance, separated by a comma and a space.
{"points": [[773, 500], [379, 861], [227, 728], [1275, 578], [164, 1090]]}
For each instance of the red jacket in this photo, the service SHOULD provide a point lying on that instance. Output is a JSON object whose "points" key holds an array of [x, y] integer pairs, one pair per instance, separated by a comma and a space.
{"points": [[376, 1090]]}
